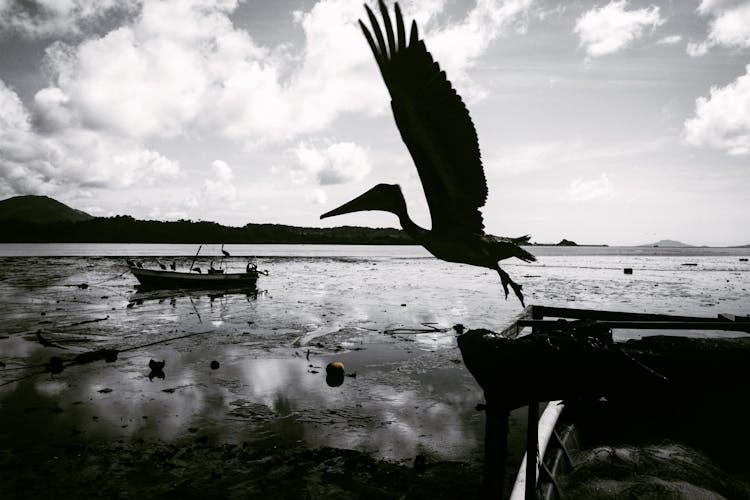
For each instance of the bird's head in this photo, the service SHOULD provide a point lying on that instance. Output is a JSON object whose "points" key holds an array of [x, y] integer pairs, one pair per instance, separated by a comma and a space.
{"points": [[385, 197]]}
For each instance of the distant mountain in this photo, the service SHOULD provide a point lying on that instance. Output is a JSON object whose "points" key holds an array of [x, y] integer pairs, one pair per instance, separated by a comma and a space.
{"points": [[39, 210], [667, 243]]}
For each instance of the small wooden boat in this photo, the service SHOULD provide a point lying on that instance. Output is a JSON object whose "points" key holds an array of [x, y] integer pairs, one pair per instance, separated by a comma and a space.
{"points": [[663, 416], [160, 278]]}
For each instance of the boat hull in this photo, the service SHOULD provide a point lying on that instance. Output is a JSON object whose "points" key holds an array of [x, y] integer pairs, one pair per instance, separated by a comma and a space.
{"points": [[154, 278]]}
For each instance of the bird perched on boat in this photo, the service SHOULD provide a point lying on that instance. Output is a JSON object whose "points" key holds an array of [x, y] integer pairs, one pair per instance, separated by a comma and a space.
{"points": [[438, 132], [226, 254]]}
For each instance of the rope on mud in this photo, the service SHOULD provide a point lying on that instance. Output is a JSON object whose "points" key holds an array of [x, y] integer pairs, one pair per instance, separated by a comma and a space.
{"points": [[195, 309], [84, 286], [164, 341]]}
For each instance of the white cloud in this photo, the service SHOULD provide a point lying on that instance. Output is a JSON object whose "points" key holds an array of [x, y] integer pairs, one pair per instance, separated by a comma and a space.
{"points": [[336, 163], [670, 40], [12, 113], [587, 190], [50, 18], [729, 26], [722, 120], [38, 163], [694, 49], [608, 29], [182, 67], [221, 171], [219, 188], [317, 197], [457, 47]]}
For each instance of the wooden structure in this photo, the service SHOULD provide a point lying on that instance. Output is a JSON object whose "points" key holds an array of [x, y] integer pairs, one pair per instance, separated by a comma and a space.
{"points": [[570, 355]]}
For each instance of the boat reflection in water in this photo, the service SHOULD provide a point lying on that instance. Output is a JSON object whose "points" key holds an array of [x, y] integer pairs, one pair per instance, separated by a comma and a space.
{"points": [[160, 295]]}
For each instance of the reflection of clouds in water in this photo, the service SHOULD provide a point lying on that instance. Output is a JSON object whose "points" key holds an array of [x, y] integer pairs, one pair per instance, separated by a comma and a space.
{"points": [[436, 340], [51, 388]]}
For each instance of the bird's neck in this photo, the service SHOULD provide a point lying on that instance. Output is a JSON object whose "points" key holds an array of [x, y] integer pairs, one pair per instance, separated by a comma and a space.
{"points": [[408, 225]]}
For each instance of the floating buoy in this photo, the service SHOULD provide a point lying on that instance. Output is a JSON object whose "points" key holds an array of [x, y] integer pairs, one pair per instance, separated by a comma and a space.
{"points": [[335, 373]]}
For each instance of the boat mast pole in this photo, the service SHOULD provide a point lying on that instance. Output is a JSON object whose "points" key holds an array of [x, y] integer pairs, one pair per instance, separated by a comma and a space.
{"points": [[195, 257]]}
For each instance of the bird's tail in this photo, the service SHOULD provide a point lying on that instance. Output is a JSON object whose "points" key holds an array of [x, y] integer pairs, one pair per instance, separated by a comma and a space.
{"points": [[524, 255], [509, 248]]}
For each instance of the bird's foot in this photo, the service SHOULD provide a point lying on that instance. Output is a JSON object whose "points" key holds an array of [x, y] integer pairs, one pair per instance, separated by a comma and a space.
{"points": [[506, 280]]}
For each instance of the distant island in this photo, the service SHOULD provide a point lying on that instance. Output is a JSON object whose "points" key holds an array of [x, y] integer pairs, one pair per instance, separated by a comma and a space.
{"points": [[667, 244], [40, 219], [567, 243]]}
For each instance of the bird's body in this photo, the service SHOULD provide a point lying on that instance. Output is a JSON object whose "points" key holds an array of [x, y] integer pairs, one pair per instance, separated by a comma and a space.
{"points": [[437, 129]]}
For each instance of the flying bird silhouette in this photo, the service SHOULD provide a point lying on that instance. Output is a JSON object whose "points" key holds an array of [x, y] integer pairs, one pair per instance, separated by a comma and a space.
{"points": [[437, 129]]}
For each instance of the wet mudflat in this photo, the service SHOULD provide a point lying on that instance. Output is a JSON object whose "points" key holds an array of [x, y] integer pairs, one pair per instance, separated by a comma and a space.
{"points": [[265, 421]]}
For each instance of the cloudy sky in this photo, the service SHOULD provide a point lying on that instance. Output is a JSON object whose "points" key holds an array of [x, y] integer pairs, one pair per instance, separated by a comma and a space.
{"points": [[618, 122]]}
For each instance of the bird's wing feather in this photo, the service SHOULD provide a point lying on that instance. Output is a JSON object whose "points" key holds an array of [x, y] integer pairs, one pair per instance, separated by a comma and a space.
{"points": [[434, 124]]}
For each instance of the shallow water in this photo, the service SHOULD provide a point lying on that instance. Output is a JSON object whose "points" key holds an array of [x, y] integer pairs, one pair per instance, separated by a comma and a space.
{"points": [[385, 312]]}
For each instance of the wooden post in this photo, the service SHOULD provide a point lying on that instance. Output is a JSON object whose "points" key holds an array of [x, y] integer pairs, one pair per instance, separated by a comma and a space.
{"points": [[190, 269], [532, 449], [495, 447]]}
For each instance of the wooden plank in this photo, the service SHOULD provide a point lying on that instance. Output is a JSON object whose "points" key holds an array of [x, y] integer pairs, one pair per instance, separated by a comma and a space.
{"points": [[646, 325], [511, 331], [572, 313]]}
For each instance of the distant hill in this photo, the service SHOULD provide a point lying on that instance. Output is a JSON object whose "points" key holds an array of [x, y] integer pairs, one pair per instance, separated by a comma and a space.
{"points": [[126, 229], [39, 210], [667, 243]]}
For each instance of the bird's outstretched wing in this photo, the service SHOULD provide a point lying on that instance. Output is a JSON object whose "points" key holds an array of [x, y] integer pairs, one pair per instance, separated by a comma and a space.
{"points": [[434, 124]]}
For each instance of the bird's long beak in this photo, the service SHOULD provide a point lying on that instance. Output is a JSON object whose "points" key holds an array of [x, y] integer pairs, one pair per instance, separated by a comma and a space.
{"points": [[365, 201]]}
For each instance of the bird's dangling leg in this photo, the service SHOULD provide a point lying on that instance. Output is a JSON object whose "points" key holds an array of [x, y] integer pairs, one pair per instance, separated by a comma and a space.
{"points": [[505, 280]]}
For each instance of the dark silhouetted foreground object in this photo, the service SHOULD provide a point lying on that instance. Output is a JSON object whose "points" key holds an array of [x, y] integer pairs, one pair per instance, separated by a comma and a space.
{"points": [[156, 365], [628, 270], [214, 365], [335, 373], [156, 374], [576, 360], [437, 129]]}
